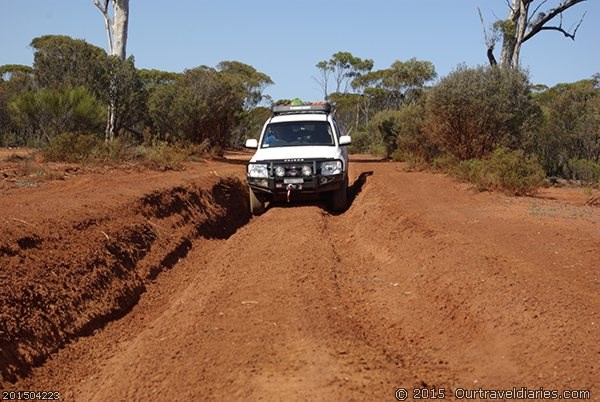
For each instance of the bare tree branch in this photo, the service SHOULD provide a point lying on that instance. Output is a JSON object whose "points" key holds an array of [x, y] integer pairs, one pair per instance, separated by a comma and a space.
{"points": [[570, 35], [490, 42], [485, 35], [539, 24]]}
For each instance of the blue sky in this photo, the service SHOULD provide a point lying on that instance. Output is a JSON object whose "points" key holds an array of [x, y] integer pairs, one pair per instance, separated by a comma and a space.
{"points": [[285, 39]]}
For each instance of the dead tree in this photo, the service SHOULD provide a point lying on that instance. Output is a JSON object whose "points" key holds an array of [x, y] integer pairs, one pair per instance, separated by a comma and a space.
{"points": [[525, 20]]}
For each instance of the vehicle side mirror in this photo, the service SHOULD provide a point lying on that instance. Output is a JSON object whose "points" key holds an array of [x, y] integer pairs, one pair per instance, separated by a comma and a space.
{"points": [[345, 140], [251, 143]]}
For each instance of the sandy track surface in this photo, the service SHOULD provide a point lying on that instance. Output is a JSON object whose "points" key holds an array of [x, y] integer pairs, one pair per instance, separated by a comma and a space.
{"points": [[421, 283]]}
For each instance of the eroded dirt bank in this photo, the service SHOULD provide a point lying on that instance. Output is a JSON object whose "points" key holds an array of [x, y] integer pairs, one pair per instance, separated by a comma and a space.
{"points": [[66, 272], [421, 283]]}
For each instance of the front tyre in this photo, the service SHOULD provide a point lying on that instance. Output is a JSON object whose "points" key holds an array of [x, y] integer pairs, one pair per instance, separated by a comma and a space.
{"points": [[257, 206], [339, 198]]}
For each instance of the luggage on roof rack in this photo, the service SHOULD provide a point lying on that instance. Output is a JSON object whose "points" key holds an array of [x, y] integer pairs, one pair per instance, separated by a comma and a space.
{"points": [[312, 107]]}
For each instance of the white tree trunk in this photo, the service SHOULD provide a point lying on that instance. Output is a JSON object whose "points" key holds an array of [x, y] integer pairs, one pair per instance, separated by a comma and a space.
{"points": [[523, 20], [120, 25], [116, 32]]}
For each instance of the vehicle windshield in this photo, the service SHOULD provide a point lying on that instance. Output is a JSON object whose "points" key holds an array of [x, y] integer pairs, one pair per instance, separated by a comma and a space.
{"points": [[297, 133]]}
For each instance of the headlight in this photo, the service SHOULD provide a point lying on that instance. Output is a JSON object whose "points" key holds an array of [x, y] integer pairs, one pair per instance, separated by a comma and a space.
{"points": [[306, 170], [279, 171], [331, 167], [258, 170]]}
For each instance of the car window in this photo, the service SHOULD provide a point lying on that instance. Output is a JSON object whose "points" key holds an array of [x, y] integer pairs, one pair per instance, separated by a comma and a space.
{"points": [[297, 133]]}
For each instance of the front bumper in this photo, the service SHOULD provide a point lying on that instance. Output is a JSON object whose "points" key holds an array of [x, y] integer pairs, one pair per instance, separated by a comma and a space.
{"points": [[293, 180]]}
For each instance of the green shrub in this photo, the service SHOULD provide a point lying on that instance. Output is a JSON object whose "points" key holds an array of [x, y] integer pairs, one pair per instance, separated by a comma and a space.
{"points": [[115, 151], [378, 150], [468, 170], [163, 155], [410, 134], [42, 115], [512, 172], [475, 110], [587, 171], [414, 161], [444, 162], [398, 156], [71, 147], [360, 142], [384, 127]]}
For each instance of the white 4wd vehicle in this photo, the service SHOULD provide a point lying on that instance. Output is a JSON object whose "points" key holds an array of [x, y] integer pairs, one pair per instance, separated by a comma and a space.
{"points": [[301, 152]]}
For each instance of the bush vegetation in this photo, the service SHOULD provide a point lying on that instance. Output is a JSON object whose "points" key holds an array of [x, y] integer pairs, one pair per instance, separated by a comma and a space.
{"points": [[510, 171], [584, 170], [486, 124], [473, 111], [91, 149], [73, 147]]}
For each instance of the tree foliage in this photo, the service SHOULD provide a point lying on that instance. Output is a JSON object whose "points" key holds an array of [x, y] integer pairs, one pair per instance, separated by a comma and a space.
{"points": [[60, 61], [570, 129], [206, 104], [375, 91], [342, 68], [247, 80], [127, 95], [401, 83]]}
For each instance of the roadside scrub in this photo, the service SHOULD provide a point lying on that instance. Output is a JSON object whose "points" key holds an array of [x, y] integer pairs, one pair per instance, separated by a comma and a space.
{"points": [[90, 149], [510, 171]]}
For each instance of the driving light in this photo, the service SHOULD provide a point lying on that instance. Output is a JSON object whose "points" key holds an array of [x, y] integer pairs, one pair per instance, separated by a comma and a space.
{"points": [[306, 170], [279, 171], [331, 167], [258, 170]]}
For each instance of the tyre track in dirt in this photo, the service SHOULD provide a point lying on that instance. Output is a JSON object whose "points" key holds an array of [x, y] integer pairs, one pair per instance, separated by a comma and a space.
{"points": [[421, 283], [274, 327], [472, 283]]}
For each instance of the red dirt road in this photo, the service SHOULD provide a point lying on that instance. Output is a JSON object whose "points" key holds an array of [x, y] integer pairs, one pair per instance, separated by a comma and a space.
{"points": [[421, 283]]}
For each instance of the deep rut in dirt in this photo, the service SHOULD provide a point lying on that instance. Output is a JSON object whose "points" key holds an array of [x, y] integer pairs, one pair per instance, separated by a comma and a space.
{"points": [[70, 278]]}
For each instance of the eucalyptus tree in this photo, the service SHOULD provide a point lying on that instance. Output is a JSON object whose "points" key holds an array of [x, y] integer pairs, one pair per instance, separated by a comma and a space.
{"points": [[60, 61], [116, 32], [342, 68], [206, 104], [247, 79], [401, 83], [570, 129], [14, 79]]}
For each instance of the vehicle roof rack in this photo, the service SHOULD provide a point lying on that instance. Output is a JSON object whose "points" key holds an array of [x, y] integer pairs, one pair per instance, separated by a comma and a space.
{"points": [[308, 107]]}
